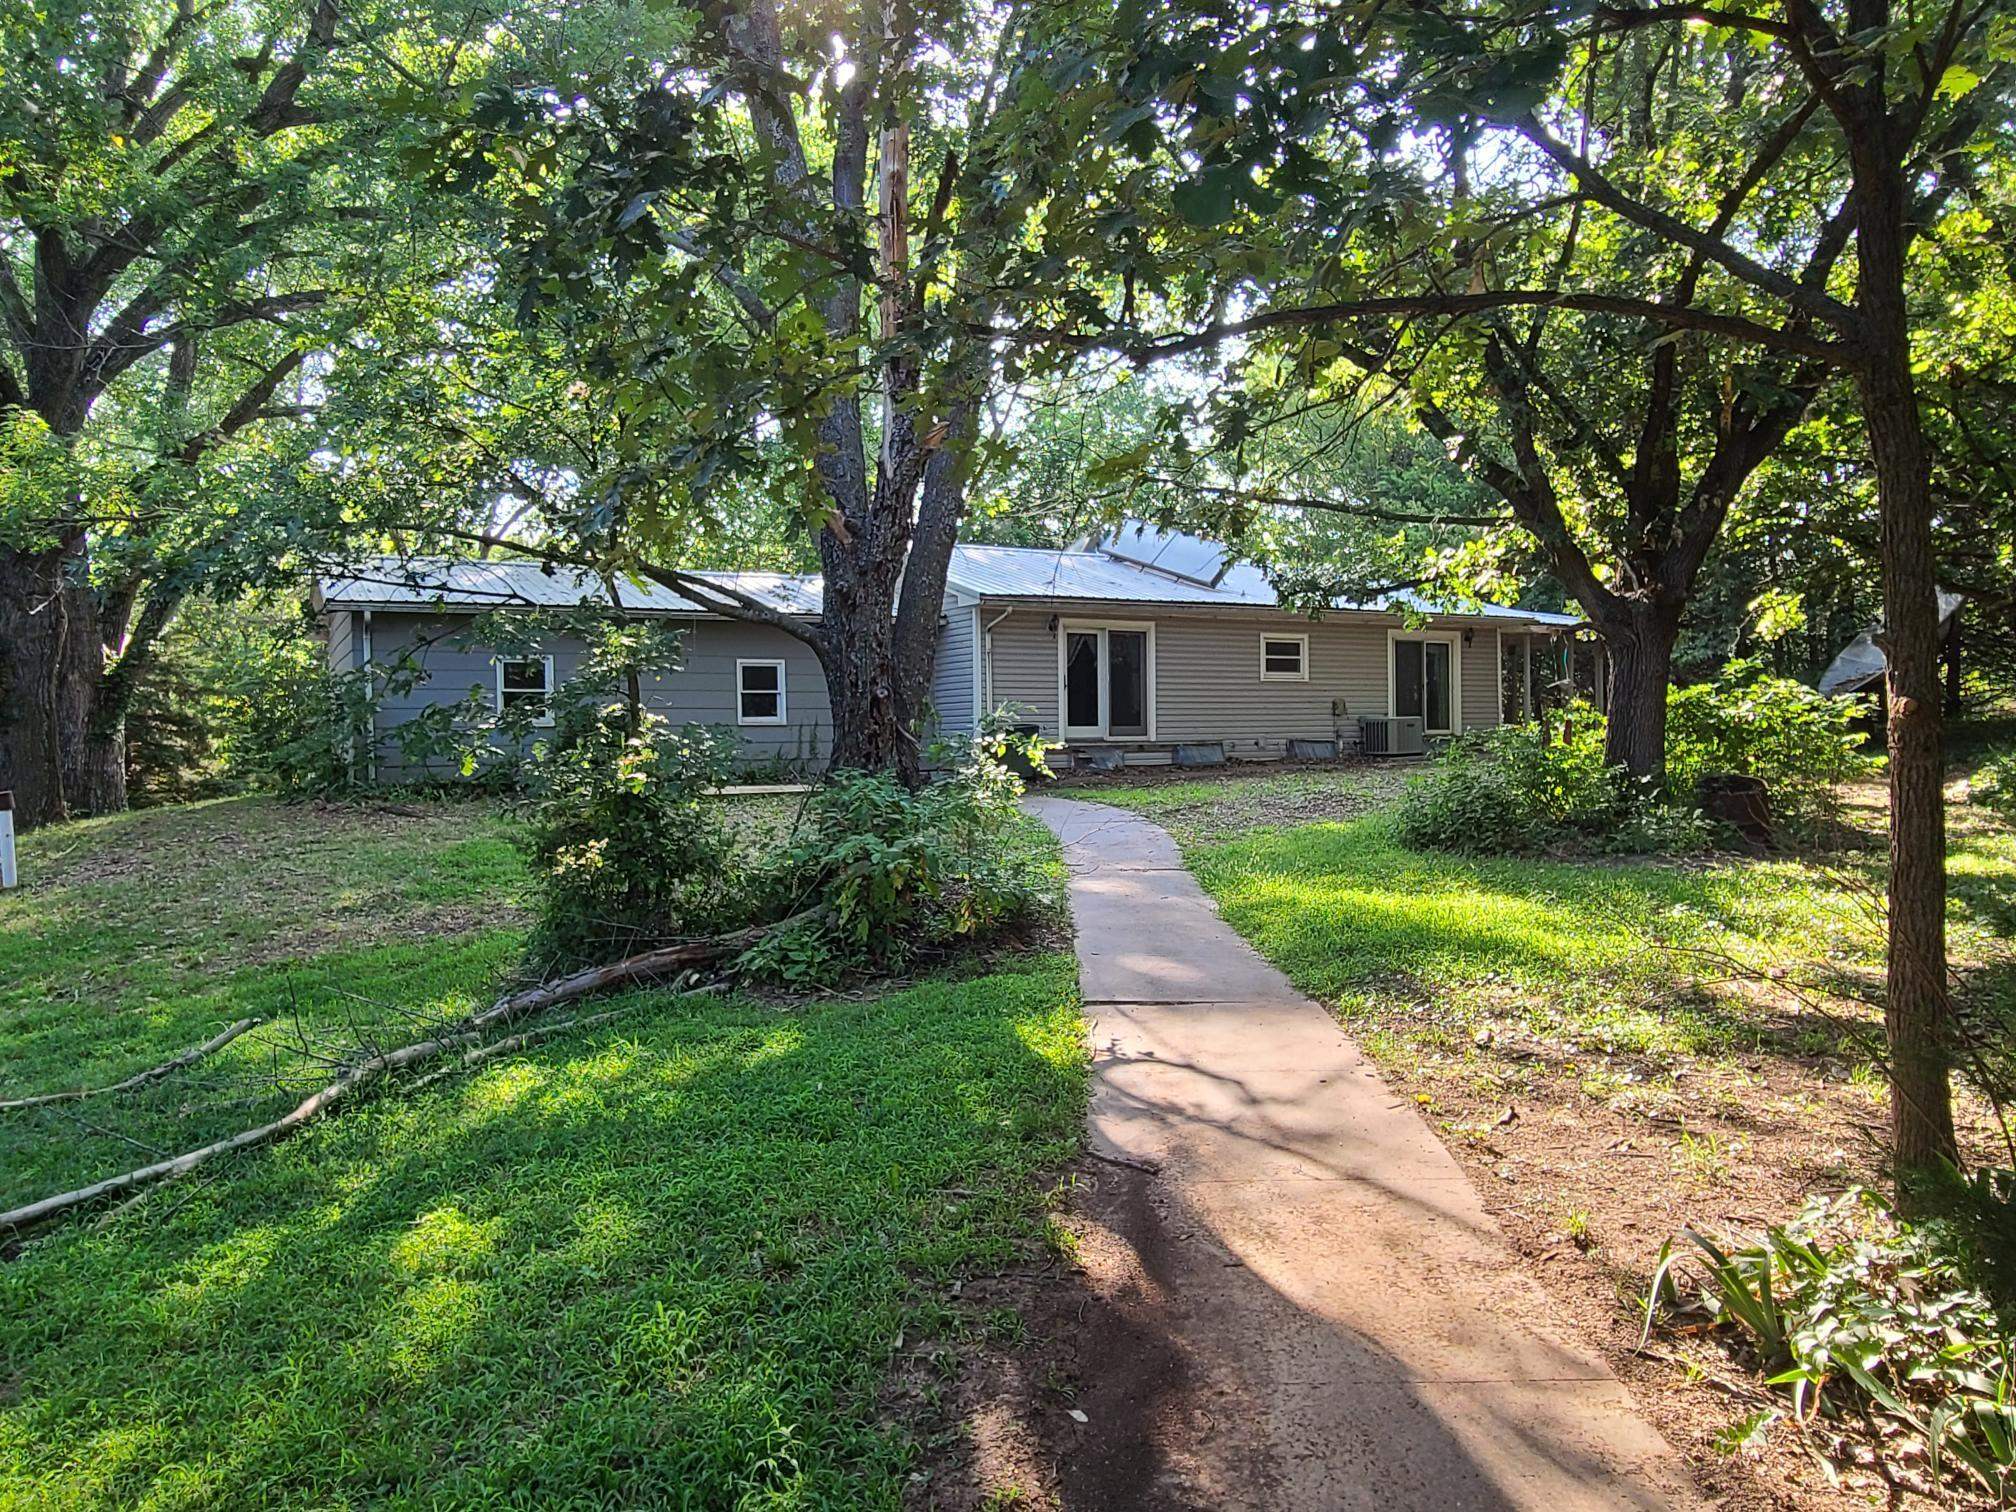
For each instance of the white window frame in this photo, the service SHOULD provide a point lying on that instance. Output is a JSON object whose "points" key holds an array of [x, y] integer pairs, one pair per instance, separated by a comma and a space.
{"points": [[782, 715], [1267, 637], [1453, 639], [544, 719], [1065, 630]]}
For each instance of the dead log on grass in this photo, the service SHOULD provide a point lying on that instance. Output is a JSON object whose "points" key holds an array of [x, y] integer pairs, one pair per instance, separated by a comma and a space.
{"points": [[468, 1033], [188, 1057]]}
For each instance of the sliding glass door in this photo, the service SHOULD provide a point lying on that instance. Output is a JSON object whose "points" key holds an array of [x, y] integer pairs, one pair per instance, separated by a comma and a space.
{"points": [[1127, 682], [1107, 681]]}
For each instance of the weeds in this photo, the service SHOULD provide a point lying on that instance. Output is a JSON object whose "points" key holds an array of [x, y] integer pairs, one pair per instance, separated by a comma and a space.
{"points": [[1852, 1312]]}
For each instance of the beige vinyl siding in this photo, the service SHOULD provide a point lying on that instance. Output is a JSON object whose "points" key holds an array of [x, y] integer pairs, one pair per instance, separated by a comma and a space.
{"points": [[702, 692], [1207, 674], [1482, 704], [954, 669], [1208, 685], [1022, 663]]}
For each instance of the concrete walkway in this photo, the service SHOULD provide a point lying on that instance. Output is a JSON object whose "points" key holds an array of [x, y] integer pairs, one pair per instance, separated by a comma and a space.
{"points": [[1339, 1324]]}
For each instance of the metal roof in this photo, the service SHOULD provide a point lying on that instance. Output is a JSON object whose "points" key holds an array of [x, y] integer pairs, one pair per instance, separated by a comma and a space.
{"points": [[1015, 572], [1096, 576], [1860, 665], [446, 582]]}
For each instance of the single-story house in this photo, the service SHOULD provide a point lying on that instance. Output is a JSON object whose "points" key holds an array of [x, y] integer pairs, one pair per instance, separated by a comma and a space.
{"points": [[1135, 646]]}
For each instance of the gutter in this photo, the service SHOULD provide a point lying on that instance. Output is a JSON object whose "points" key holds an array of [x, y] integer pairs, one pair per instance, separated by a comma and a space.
{"points": [[987, 665]]}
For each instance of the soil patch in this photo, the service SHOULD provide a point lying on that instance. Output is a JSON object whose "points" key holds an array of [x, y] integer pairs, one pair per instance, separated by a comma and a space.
{"points": [[1092, 1400]]}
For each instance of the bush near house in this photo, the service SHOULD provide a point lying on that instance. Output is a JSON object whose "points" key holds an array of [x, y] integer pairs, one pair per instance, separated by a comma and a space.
{"points": [[1530, 788], [1523, 789], [629, 851]]}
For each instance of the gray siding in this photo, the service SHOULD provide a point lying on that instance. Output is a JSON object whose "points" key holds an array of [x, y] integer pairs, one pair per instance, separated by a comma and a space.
{"points": [[702, 692], [342, 626], [954, 669], [1207, 675]]}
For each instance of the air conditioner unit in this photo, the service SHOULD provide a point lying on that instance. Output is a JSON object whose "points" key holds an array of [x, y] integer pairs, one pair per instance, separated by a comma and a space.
{"points": [[1395, 736]]}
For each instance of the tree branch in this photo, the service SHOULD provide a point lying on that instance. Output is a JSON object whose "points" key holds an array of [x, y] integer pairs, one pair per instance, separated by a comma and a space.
{"points": [[1330, 506], [1686, 318], [1797, 296]]}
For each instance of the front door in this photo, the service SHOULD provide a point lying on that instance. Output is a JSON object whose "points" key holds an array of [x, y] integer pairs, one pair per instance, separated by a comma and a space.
{"points": [[1106, 683], [1423, 683]]}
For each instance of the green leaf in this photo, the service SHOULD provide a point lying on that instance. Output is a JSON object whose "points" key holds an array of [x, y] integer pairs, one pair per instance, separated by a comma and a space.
{"points": [[1208, 199], [1958, 80]]}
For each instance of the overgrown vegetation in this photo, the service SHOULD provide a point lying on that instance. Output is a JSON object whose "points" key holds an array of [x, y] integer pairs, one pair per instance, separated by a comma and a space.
{"points": [[629, 851], [1528, 788], [1855, 1313], [627, 848], [1802, 744], [665, 1260], [885, 874]]}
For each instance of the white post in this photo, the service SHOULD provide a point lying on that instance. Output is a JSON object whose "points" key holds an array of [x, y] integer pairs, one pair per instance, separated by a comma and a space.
{"points": [[7, 874]]}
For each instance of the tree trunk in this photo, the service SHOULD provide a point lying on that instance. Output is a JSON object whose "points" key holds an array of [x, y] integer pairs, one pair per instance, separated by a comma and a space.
{"points": [[93, 733], [1955, 680], [868, 732], [31, 655], [1640, 644], [859, 634], [1917, 1008]]}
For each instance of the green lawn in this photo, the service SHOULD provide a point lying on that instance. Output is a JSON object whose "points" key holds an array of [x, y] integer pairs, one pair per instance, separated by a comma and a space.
{"points": [[670, 1260], [1360, 921]]}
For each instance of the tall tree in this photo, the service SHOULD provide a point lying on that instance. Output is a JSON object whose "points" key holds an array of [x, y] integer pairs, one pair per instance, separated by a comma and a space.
{"points": [[776, 244], [179, 193]]}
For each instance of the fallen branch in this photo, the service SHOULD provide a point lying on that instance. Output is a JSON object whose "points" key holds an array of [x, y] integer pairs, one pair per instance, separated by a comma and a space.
{"points": [[651, 965], [151, 1074]]}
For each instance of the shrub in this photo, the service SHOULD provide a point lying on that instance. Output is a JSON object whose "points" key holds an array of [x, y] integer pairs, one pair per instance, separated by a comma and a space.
{"points": [[1852, 1310], [895, 873], [1522, 788], [1800, 742], [628, 850]]}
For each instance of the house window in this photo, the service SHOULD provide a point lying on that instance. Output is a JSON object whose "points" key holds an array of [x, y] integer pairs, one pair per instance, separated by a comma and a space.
{"points": [[1284, 658], [526, 681], [1424, 682], [759, 692]]}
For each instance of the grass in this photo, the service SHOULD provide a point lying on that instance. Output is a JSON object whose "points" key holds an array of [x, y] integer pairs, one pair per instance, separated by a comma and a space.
{"points": [[671, 1260], [1595, 949]]}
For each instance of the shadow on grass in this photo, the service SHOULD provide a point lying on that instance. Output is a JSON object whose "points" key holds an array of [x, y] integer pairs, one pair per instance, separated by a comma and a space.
{"points": [[83, 1039], [1347, 911], [667, 1262]]}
